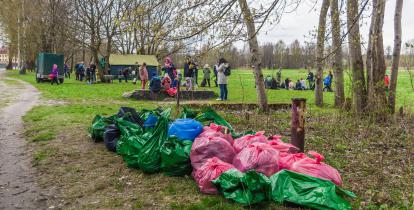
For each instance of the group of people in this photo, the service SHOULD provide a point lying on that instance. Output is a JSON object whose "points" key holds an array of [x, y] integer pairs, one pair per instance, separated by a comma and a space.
{"points": [[85, 73], [189, 79], [221, 72], [300, 84]]}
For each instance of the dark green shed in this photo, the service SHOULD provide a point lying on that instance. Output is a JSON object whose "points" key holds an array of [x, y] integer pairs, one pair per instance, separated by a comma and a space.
{"points": [[44, 64]]}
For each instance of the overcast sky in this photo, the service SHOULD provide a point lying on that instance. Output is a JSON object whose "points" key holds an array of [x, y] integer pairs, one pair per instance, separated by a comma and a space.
{"points": [[298, 24]]}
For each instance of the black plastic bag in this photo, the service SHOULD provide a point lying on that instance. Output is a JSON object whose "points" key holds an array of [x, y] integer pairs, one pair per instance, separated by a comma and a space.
{"points": [[131, 115], [111, 137]]}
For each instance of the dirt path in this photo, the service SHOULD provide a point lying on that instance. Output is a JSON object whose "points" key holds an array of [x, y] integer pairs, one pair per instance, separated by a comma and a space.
{"points": [[17, 186]]}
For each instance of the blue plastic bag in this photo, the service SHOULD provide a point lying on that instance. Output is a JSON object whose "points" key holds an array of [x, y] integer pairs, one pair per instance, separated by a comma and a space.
{"points": [[151, 121], [185, 129]]}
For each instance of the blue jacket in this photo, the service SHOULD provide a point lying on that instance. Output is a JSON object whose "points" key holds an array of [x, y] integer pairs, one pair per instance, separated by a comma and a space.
{"points": [[327, 81]]}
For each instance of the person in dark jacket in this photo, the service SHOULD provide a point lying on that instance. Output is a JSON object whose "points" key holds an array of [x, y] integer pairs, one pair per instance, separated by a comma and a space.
{"points": [[311, 79], [195, 73], [189, 73], [155, 84], [88, 75], [81, 71], [77, 74], [125, 73], [93, 72], [215, 71], [66, 71], [287, 81]]}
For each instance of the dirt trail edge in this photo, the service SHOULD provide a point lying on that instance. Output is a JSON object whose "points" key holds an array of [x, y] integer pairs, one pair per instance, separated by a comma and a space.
{"points": [[18, 189]]}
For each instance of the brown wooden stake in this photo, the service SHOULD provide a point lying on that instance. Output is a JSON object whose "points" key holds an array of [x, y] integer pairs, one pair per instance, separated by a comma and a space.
{"points": [[298, 123], [177, 95]]}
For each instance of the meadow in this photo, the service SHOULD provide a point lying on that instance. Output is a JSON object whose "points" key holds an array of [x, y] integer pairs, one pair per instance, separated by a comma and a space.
{"points": [[241, 88], [375, 160]]}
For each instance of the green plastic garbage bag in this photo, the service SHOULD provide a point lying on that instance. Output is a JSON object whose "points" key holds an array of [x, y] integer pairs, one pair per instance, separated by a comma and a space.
{"points": [[308, 191], [145, 113], [149, 159], [244, 188], [188, 113], [209, 116], [175, 157], [99, 124], [131, 142]]}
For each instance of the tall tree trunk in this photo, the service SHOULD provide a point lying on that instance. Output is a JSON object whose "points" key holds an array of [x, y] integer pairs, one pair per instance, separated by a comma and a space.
{"points": [[395, 55], [254, 50], [357, 63], [369, 47], [377, 102], [10, 61], [337, 46], [320, 53]]}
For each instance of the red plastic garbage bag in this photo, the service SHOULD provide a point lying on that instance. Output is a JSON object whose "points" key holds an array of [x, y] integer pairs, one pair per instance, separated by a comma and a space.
{"points": [[215, 131], [209, 171], [171, 91], [208, 147], [277, 143], [242, 142], [287, 159], [259, 156], [51, 76], [315, 167]]}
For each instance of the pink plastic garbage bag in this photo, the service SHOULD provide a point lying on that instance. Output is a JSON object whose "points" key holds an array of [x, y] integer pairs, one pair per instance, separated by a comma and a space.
{"points": [[242, 142], [277, 143], [215, 131], [315, 167], [210, 170], [287, 159], [208, 147], [259, 156]]}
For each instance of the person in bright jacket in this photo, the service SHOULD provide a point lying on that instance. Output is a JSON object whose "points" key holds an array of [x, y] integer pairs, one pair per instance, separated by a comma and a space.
{"points": [[387, 81], [328, 82], [143, 75], [55, 74], [166, 82], [222, 80]]}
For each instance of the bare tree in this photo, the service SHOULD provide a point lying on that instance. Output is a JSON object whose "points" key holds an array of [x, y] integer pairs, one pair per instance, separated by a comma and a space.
{"points": [[255, 55], [395, 55], [337, 46], [320, 53], [376, 87], [357, 63]]}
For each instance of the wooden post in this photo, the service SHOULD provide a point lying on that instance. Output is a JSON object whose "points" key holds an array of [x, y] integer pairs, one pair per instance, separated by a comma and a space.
{"points": [[298, 123], [177, 95]]}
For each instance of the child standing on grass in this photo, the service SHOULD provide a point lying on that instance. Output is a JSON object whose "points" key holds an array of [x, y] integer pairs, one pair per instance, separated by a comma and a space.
{"points": [[143, 75], [206, 75], [55, 74]]}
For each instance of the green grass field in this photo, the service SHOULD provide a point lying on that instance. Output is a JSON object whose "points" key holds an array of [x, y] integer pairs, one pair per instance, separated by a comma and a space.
{"points": [[241, 89], [373, 159]]}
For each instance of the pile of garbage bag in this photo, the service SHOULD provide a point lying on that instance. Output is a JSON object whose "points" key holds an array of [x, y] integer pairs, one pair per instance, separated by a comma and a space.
{"points": [[247, 168]]}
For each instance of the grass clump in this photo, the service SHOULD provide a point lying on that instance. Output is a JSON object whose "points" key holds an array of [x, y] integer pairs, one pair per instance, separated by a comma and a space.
{"points": [[43, 136]]}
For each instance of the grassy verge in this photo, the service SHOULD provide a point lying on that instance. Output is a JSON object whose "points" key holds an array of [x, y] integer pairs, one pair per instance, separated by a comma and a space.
{"points": [[376, 161]]}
